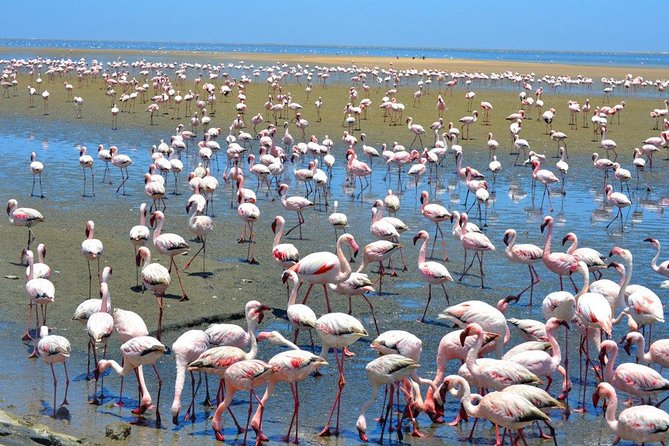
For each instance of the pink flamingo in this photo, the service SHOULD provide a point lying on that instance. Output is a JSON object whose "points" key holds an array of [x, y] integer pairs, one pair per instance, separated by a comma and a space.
{"points": [[526, 254], [138, 351], [436, 214], [378, 251], [86, 162], [417, 130], [187, 348], [23, 217], [169, 244], [620, 201], [140, 234], [358, 169], [545, 177], [121, 161], [338, 331], [658, 352], [91, 249], [357, 284], [200, 225], [634, 379], [640, 424], [661, 269], [433, 273], [294, 204], [100, 326], [473, 241], [300, 315], [324, 267], [243, 375], [556, 262], [156, 278], [40, 292], [292, 367], [54, 349], [284, 254], [249, 214], [506, 409], [593, 258]]}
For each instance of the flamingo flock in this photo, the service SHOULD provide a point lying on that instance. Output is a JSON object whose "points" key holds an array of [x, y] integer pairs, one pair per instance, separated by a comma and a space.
{"points": [[514, 385]]}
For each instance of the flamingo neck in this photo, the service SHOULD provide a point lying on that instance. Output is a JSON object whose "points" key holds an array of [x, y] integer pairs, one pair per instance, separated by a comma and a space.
{"points": [[106, 302], [464, 229], [146, 260], [31, 267], [610, 360], [423, 250], [574, 245], [625, 280], [251, 330], [473, 353], [611, 408], [279, 234], [641, 354], [179, 385], [509, 247], [555, 345], [159, 229], [293, 293], [104, 364], [586, 284], [549, 238], [653, 263], [344, 266], [142, 217], [466, 399]]}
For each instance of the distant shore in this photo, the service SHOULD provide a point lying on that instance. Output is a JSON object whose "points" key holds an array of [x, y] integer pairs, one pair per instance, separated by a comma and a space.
{"points": [[401, 63]]}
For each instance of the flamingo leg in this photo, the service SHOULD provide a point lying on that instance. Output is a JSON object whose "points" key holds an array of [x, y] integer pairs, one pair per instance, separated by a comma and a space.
{"points": [[429, 298], [55, 386], [336, 403], [67, 385], [184, 297], [160, 385], [371, 308]]}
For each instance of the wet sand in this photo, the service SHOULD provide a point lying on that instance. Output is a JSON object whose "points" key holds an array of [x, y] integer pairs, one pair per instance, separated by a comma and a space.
{"points": [[219, 295]]}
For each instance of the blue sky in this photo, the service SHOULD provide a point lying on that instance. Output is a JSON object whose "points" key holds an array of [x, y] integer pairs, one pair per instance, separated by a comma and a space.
{"points": [[579, 25]]}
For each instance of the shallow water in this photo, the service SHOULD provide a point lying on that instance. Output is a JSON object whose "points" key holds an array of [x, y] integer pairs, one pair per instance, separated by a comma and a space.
{"points": [[27, 384]]}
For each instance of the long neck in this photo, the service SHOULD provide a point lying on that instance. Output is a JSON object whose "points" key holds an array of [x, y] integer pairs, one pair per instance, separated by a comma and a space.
{"points": [[423, 250], [586, 284], [549, 238], [641, 354], [159, 228], [142, 217], [293, 292], [31, 267], [146, 260], [611, 411], [106, 302], [473, 353], [279, 233], [509, 247], [104, 364], [625, 281], [179, 385], [574, 245], [40, 254], [251, 330], [610, 360], [467, 399], [344, 266], [555, 345], [653, 263]]}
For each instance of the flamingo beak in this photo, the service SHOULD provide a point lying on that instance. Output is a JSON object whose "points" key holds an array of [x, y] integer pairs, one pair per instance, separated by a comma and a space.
{"points": [[649, 240], [87, 232], [421, 199], [362, 435], [284, 277], [543, 226], [415, 238], [152, 220], [175, 419], [595, 398], [506, 239], [628, 347], [463, 337], [512, 298], [274, 227], [564, 324], [564, 239]]}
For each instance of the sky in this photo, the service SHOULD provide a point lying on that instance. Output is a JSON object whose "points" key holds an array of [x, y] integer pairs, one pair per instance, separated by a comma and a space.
{"points": [[574, 25]]}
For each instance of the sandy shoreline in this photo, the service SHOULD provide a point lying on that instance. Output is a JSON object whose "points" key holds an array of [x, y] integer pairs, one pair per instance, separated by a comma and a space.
{"points": [[539, 69]]}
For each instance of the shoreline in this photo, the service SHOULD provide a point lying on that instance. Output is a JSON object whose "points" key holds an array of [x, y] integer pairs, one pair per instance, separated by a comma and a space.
{"points": [[401, 63]]}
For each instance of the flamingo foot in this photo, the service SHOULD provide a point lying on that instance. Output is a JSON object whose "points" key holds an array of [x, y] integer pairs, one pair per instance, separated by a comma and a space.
{"points": [[33, 354], [119, 404], [27, 337], [326, 432], [219, 435], [348, 353], [260, 436], [184, 298], [394, 274], [416, 433], [95, 401]]}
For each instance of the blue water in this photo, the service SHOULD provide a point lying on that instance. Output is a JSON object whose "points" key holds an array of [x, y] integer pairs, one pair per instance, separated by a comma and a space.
{"points": [[647, 59]]}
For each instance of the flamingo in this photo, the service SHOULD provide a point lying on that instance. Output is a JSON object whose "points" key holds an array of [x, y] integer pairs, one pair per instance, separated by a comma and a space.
{"points": [[417, 130], [122, 162], [563, 167], [433, 273], [560, 137], [378, 251], [634, 379], [391, 202], [169, 244], [386, 369], [156, 278], [338, 331], [23, 217], [337, 219], [100, 326], [436, 214], [187, 348], [661, 269], [593, 258], [324, 267], [200, 225], [556, 262], [658, 351], [105, 156], [292, 367], [243, 375], [249, 214], [138, 351], [526, 254], [620, 201], [492, 146], [541, 363], [54, 349], [92, 249], [41, 269], [466, 121], [140, 234], [545, 177], [284, 254], [506, 409], [473, 241], [608, 144], [86, 162], [40, 292], [294, 204], [640, 424]]}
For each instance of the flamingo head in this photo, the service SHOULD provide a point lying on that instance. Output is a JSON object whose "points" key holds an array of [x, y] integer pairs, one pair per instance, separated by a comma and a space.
{"points": [[11, 204], [470, 330], [554, 322], [652, 241], [509, 235], [90, 226], [255, 310], [350, 240], [361, 425], [548, 220], [604, 350], [424, 196], [568, 238], [504, 303], [420, 235], [289, 276]]}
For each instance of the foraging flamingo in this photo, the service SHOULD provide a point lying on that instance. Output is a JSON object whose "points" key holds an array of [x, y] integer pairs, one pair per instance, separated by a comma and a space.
{"points": [[54, 349], [526, 254], [23, 217], [284, 254], [138, 351]]}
